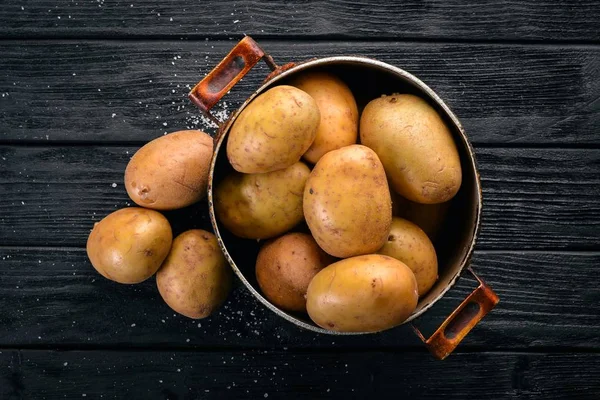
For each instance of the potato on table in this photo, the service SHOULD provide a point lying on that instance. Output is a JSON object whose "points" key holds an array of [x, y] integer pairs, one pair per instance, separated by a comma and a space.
{"points": [[195, 279], [273, 131], [129, 245], [261, 206], [415, 146], [170, 172]]}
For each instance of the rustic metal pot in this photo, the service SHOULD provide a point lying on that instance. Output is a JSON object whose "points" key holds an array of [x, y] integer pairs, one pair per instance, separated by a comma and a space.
{"points": [[368, 79]]}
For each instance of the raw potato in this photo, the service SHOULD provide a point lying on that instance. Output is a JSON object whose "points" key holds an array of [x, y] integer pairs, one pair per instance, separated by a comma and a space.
{"points": [[170, 172], [339, 113], [285, 266], [366, 293], [260, 206], [195, 279], [409, 244], [129, 245], [273, 131], [429, 217], [347, 202], [415, 147]]}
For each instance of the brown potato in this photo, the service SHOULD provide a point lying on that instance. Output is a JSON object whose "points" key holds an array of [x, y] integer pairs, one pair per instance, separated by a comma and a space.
{"points": [[347, 202], [429, 217], [367, 293], [409, 244], [195, 279], [129, 245], [273, 131], [261, 206], [286, 265], [171, 171], [415, 146], [339, 113]]}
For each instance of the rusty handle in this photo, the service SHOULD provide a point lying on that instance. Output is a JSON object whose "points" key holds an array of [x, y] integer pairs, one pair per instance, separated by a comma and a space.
{"points": [[454, 329], [226, 74]]}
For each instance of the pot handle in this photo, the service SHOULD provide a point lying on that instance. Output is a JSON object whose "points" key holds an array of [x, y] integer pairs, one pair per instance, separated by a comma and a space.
{"points": [[468, 314], [226, 74]]}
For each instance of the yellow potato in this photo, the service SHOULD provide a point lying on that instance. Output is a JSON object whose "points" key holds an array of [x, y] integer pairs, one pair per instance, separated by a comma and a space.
{"points": [[129, 245], [171, 171], [339, 113], [429, 217], [367, 293], [415, 146], [260, 206], [195, 279], [286, 265], [409, 244], [347, 202], [273, 131]]}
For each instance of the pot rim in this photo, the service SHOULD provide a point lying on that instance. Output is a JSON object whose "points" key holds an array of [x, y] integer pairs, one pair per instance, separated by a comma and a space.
{"points": [[224, 129]]}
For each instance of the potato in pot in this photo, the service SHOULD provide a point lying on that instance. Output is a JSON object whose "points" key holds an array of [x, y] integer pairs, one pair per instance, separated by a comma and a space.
{"points": [[261, 206], [367, 293], [415, 146], [286, 265]]}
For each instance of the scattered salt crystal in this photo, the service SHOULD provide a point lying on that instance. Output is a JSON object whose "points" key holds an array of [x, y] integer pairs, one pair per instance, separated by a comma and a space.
{"points": [[236, 21], [132, 325], [114, 185], [113, 114], [65, 364]]}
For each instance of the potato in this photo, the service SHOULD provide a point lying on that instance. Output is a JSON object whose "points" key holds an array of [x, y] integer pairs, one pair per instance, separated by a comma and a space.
{"points": [[286, 265], [429, 217], [409, 244], [128, 245], [347, 202], [367, 293], [415, 146], [171, 171], [261, 206], [339, 113], [195, 279], [273, 131]]}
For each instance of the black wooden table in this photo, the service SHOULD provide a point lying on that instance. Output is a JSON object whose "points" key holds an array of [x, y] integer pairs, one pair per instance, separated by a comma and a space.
{"points": [[85, 83]]}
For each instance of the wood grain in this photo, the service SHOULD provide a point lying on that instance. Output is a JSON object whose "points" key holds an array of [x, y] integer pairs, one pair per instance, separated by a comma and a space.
{"points": [[78, 91], [54, 297], [275, 374], [557, 20], [533, 198]]}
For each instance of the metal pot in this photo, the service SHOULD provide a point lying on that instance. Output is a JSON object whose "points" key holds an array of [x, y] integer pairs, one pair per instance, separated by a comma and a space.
{"points": [[368, 79]]}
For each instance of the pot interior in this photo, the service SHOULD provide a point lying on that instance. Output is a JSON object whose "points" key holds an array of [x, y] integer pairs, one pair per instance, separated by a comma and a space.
{"points": [[369, 79]]}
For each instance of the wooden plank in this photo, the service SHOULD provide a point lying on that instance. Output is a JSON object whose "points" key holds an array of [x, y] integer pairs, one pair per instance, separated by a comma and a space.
{"points": [[53, 297], [432, 19], [533, 198], [133, 91], [276, 374]]}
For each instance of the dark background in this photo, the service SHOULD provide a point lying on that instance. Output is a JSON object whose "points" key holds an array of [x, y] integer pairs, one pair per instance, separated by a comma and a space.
{"points": [[83, 84]]}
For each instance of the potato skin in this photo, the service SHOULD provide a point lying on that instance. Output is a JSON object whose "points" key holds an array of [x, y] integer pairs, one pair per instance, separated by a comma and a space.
{"points": [[129, 245], [339, 114], [347, 202], [273, 131], [367, 293], [261, 206], [286, 265], [415, 146], [195, 279], [429, 217], [410, 244], [171, 171]]}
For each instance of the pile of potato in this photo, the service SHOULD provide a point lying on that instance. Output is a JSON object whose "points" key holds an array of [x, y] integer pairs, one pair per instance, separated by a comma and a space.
{"points": [[372, 209], [132, 244]]}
